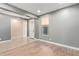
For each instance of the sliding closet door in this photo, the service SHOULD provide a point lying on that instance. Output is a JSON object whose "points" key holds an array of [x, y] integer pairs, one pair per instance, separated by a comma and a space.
{"points": [[18, 28]]}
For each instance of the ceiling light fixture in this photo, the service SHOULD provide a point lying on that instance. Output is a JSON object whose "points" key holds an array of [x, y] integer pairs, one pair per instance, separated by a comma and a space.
{"points": [[38, 11]]}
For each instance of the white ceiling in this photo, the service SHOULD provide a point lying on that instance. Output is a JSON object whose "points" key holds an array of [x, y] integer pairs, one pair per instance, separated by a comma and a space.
{"points": [[43, 7]]}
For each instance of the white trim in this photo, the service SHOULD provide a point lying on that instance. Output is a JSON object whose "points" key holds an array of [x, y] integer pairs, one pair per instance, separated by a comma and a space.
{"points": [[13, 14], [62, 45], [5, 41]]}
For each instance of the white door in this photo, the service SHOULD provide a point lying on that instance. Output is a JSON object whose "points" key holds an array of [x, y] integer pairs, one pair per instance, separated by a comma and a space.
{"points": [[31, 29], [18, 28], [25, 28]]}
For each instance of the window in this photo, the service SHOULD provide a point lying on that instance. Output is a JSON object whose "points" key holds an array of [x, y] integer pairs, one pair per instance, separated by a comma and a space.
{"points": [[45, 30], [44, 24]]}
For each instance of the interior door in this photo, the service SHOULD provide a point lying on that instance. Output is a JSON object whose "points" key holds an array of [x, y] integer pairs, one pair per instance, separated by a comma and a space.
{"points": [[18, 32], [31, 28], [18, 28], [24, 28]]}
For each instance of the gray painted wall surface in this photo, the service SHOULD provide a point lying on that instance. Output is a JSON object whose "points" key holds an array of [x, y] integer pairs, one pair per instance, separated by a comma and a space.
{"points": [[5, 31], [63, 26], [27, 27]]}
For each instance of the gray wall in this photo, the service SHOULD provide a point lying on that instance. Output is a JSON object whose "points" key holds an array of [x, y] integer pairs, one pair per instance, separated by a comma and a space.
{"points": [[5, 30], [63, 26], [27, 27]]}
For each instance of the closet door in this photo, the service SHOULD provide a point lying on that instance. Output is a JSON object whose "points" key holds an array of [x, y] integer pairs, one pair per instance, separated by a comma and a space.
{"points": [[18, 28], [31, 28], [25, 28]]}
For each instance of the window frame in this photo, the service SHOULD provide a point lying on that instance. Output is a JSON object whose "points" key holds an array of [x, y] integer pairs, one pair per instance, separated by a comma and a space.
{"points": [[43, 30]]}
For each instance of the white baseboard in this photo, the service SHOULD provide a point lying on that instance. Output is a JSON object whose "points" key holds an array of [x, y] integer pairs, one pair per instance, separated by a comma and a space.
{"points": [[5, 41], [62, 45]]}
